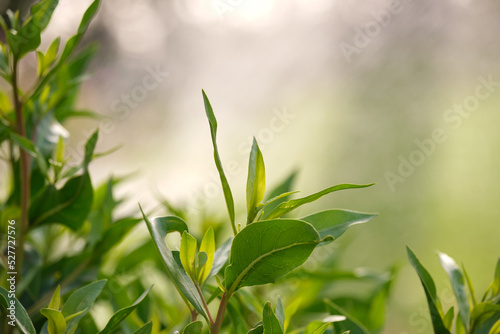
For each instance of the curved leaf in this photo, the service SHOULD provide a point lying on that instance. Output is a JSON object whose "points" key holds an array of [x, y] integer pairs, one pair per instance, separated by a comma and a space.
{"points": [[159, 227], [270, 321], [256, 182], [220, 257], [57, 324], [208, 247], [193, 328], [146, 329], [23, 320], [265, 250]]}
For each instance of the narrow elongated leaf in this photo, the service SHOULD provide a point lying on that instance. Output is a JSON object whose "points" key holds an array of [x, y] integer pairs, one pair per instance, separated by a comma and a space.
{"points": [[187, 253], [146, 329], [482, 312], [352, 322], [284, 187], [335, 222], [55, 301], [280, 313], [264, 251], [207, 246], [158, 228], [458, 285], [316, 327], [81, 300], [23, 320], [430, 293], [120, 315], [270, 321], [495, 329], [193, 328], [292, 204], [256, 182], [225, 185], [56, 322], [448, 318], [220, 257]]}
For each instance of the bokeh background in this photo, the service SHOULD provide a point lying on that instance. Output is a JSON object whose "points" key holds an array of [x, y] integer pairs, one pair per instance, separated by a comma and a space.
{"points": [[340, 91]]}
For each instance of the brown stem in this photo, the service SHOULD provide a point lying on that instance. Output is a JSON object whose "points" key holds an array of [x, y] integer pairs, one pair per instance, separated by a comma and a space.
{"points": [[25, 175], [194, 315], [215, 329], [204, 304]]}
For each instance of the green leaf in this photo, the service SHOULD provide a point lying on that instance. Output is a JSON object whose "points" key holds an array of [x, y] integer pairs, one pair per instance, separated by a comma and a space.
{"points": [[193, 328], [220, 257], [292, 204], [29, 147], [207, 246], [335, 222], [495, 329], [69, 205], [89, 148], [494, 288], [28, 37], [81, 300], [225, 185], [482, 312], [270, 321], [458, 285], [316, 327], [471, 288], [56, 322], [277, 194], [264, 251], [146, 329], [120, 315], [430, 293], [187, 253], [256, 182], [258, 329], [55, 302], [448, 318], [354, 323], [24, 324], [158, 228], [280, 313]]}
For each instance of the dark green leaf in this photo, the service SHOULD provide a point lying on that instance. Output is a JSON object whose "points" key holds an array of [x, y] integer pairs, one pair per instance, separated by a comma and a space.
{"points": [[270, 321], [256, 182], [120, 315], [193, 328], [264, 251], [225, 185], [146, 329], [335, 222], [482, 312], [290, 205], [80, 302], [23, 320], [159, 227], [430, 292], [220, 257], [259, 329], [458, 285], [354, 324]]}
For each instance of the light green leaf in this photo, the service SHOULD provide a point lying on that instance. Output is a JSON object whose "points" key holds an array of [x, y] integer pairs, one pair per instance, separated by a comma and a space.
{"points": [[495, 329], [158, 228], [24, 324], [220, 257], [225, 185], [81, 300], [56, 322], [278, 193], [430, 293], [55, 302], [120, 315], [335, 222], [193, 328], [207, 246], [280, 313], [316, 327], [292, 204], [277, 247], [146, 329], [256, 182], [270, 321], [458, 285], [187, 253], [448, 318]]}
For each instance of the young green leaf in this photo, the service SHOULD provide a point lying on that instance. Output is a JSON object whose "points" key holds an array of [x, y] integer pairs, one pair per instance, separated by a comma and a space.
{"points": [[208, 247], [23, 320], [335, 222], [448, 318], [278, 193], [146, 329], [81, 300], [483, 312], [187, 253], [55, 302], [225, 185], [458, 285], [120, 315], [56, 321], [270, 321], [495, 329], [159, 227], [292, 204], [256, 182], [278, 246], [316, 327], [193, 328], [430, 293]]}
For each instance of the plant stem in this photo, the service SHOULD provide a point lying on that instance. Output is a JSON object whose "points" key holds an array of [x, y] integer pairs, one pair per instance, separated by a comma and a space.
{"points": [[215, 329], [25, 174], [204, 304]]}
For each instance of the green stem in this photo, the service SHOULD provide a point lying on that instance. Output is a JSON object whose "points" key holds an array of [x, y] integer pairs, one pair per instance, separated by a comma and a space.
{"points": [[217, 326], [25, 174]]}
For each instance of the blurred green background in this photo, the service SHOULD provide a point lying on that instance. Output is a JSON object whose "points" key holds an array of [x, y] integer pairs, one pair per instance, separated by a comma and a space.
{"points": [[327, 90]]}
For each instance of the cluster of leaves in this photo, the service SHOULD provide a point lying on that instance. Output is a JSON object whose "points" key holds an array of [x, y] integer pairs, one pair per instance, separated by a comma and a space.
{"points": [[64, 228], [473, 316], [268, 247]]}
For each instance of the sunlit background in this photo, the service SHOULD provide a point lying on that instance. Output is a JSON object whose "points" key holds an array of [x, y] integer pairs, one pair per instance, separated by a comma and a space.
{"points": [[342, 91]]}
